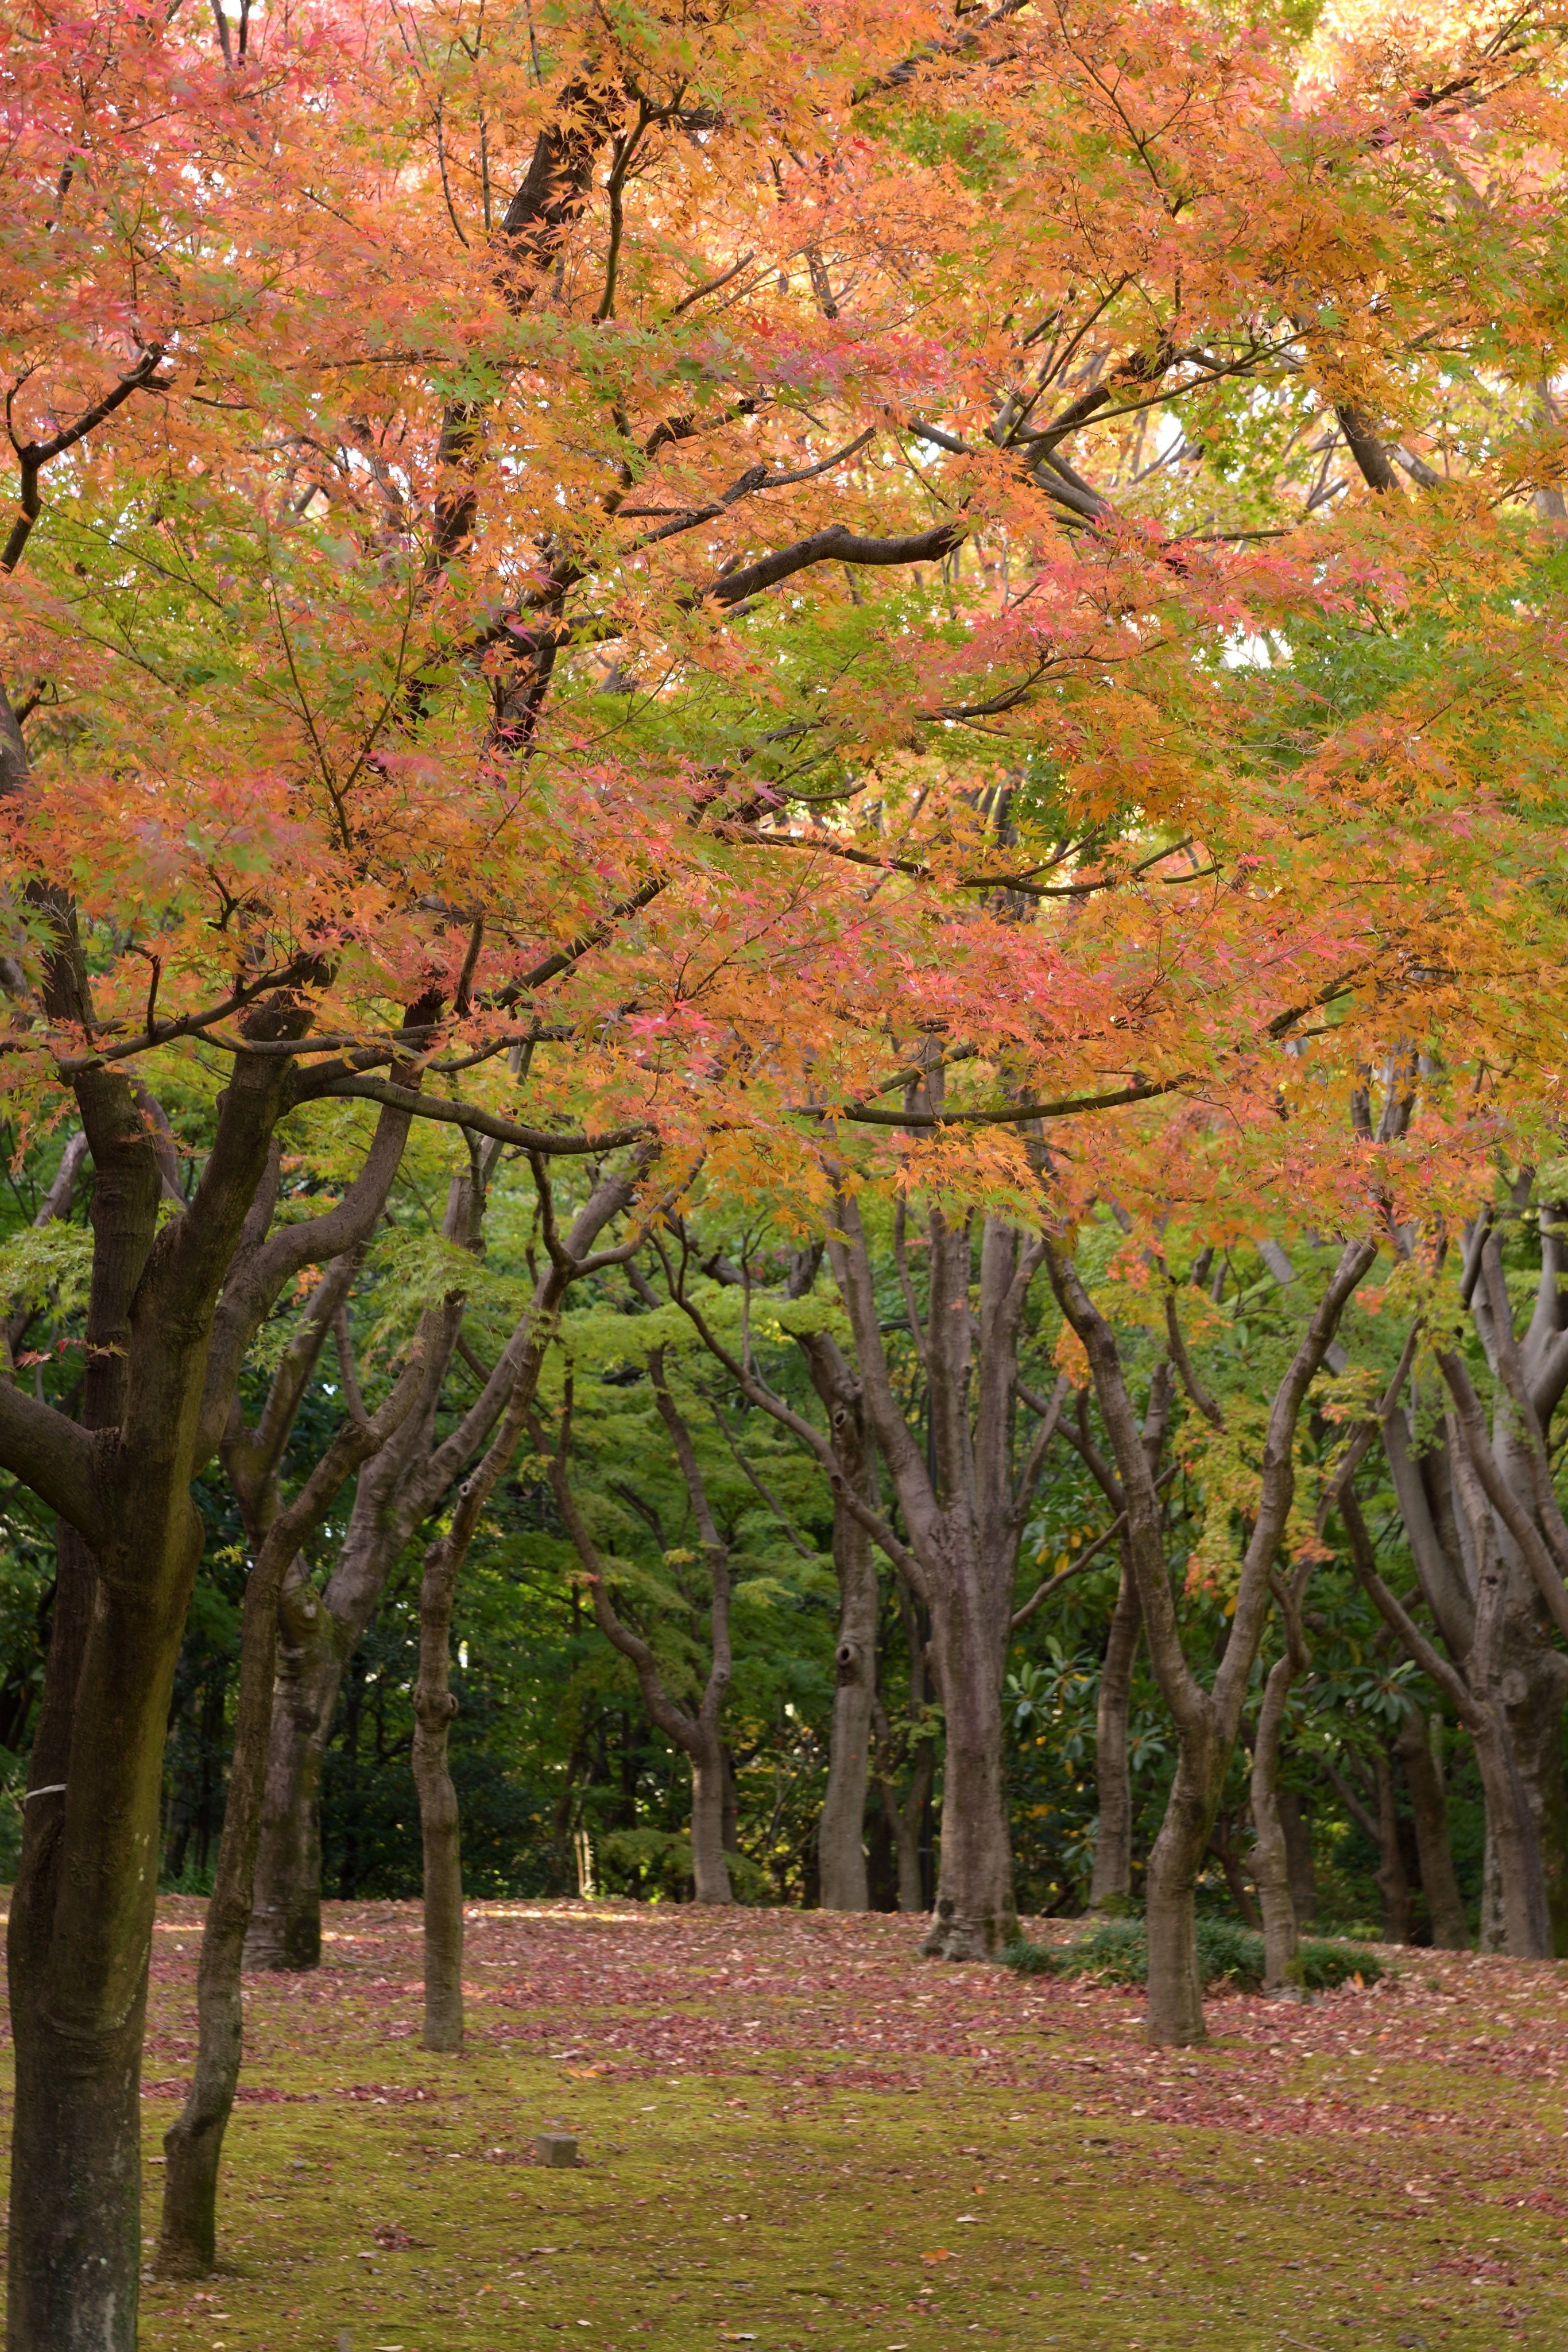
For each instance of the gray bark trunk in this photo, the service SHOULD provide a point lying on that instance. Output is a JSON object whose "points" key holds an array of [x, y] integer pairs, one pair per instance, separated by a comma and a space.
{"points": [[1270, 1851], [439, 1830], [975, 1914], [840, 1832], [963, 1504], [285, 1930], [1111, 1883], [710, 1863]]}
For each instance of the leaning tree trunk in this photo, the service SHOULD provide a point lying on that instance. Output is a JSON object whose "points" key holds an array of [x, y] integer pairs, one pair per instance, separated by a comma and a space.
{"points": [[319, 1632], [1176, 1982], [1111, 1883], [1207, 1722], [1430, 1804], [192, 2146]]}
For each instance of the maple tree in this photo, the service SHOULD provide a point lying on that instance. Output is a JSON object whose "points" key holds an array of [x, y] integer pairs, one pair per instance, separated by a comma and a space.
{"points": [[625, 559]]}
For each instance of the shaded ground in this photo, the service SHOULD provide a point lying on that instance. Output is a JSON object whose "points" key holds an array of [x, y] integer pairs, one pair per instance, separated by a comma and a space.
{"points": [[797, 2133]]}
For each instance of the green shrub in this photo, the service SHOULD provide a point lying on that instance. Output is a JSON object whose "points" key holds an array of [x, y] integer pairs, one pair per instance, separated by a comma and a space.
{"points": [[1323, 1965], [1117, 1951]]}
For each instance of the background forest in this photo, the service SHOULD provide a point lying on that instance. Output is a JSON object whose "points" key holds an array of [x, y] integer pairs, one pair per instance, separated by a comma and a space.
{"points": [[565, 1784]]}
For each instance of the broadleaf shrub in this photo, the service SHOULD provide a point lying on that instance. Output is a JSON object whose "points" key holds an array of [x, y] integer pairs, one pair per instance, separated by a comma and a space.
{"points": [[1117, 1951]]}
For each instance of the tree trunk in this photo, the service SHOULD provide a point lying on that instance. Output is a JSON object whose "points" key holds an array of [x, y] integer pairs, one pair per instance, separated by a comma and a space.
{"points": [[1298, 1836], [434, 1708], [975, 1914], [1175, 1986], [1110, 1883], [1532, 1686], [319, 1632], [1429, 1802], [1524, 1918], [1207, 1722], [908, 1826], [193, 2143], [440, 1839], [82, 1913], [1270, 1852], [840, 1832], [1393, 1883], [710, 1865], [192, 2146], [79, 1943], [284, 1929]]}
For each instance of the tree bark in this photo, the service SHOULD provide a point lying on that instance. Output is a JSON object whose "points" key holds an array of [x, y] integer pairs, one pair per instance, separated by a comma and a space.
{"points": [[1270, 1852], [440, 1834], [1111, 1881], [1207, 1722], [1429, 1803], [1393, 1880], [1513, 1845], [285, 1930], [696, 1733], [710, 1862], [840, 1832], [160, 1341], [1297, 1829], [319, 1631], [964, 1506], [192, 2146]]}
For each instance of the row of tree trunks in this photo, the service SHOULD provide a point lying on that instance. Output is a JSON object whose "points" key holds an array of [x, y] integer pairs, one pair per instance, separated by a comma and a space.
{"points": [[321, 1627], [1207, 1720]]}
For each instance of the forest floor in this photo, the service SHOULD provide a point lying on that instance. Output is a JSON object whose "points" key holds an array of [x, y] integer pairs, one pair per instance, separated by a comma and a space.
{"points": [[797, 2135]]}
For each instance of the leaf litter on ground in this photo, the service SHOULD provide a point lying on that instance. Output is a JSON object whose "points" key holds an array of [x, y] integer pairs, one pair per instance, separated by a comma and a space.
{"points": [[795, 2132]]}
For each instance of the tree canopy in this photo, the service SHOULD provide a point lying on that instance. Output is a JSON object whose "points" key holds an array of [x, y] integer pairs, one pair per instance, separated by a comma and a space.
{"points": [[784, 903]]}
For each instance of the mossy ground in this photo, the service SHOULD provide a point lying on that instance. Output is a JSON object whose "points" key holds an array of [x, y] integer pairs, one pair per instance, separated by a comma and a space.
{"points": [[798, 2134]]}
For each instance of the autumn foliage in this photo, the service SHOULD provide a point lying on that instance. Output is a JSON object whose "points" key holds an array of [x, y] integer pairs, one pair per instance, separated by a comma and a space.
{"points": [[853, 599]]}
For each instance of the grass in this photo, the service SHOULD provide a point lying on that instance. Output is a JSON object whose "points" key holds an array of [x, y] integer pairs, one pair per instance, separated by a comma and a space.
{"points": [[799, 2134]]}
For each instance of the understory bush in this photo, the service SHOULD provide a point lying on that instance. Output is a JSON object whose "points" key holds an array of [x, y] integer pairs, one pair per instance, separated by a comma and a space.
{"points": [[1117, 1951]]}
